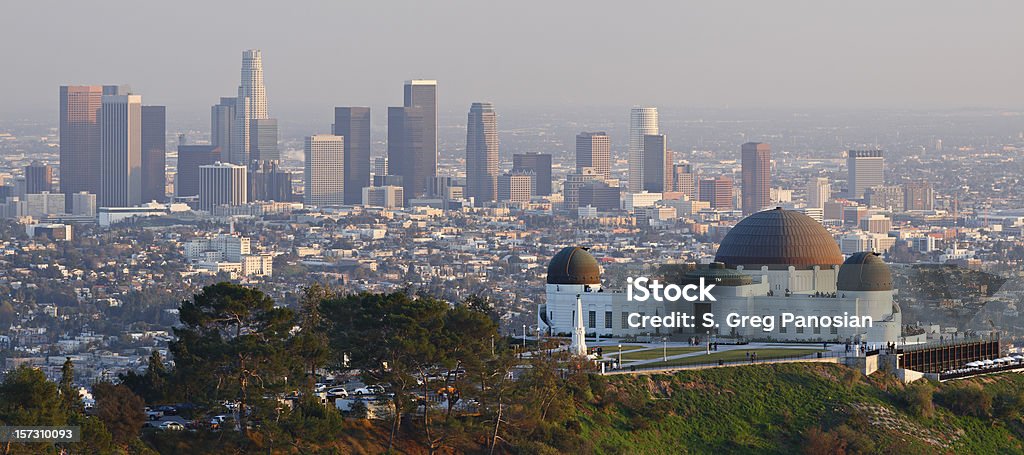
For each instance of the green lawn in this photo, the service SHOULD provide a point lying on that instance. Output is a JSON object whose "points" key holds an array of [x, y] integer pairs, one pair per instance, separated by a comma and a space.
{"points": [[731, 356], [625, 348], [655, 353]]}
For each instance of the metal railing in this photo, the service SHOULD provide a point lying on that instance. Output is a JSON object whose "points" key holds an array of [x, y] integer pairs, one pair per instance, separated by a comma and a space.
{"points": [[728, 363]]}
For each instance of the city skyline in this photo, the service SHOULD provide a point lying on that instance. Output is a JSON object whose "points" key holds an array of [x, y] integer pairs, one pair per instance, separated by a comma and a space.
{"points": [[836, 76]]}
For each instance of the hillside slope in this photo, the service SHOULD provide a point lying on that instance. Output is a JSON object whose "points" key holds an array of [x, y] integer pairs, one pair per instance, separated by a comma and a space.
{"points": [[811, 408]]}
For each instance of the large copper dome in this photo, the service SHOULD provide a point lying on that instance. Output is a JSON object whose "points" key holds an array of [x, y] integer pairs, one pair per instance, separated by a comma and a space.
{"points": [[779, 238], [573, 265], [864, 271]]}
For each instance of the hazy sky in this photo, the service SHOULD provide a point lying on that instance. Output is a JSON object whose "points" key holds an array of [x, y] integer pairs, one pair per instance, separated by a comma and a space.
{"points": [[186, 53]]}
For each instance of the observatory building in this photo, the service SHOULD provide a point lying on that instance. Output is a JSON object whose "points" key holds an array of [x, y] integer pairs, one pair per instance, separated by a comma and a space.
{"points": [[772, 263]]}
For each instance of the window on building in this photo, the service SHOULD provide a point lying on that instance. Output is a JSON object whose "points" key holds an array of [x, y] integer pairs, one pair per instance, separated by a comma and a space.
{"points": [[817, 330], [782, 328], [834, 330], [592, 319], [799, 330], [607, 319], [625, 320]]}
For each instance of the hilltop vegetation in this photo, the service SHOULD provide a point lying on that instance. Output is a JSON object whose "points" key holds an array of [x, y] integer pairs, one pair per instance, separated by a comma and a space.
{"points": [[235, 345], [771, 409]]}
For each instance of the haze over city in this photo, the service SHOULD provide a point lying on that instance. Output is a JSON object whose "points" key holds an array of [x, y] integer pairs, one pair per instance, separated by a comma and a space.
{"points": [[746, 54]]}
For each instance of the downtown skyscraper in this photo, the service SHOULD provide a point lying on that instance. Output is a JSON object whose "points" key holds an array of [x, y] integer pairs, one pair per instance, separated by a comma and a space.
{"points": [[250, 106], [756, 168], [80, 139], [222, 123], [354, 124], [657, 164], [325, 170], [222, 184], [190, 158], [412, 138], [482, 153], [593, 149], [642, 121], [154, 153], [120, 151], [540, 165]]}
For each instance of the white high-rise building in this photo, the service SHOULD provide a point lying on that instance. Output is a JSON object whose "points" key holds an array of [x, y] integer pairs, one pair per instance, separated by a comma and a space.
{"points": [[325, 170], [819, 191], [83, 204], [866, 169], [642, 121], [120, 151], [250, 105], [222, 184], [42, 205]]}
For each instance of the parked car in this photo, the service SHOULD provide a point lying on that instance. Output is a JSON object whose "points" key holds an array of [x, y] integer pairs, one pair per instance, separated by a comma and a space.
{"points": [[337, 392], [153, 414], [171, 426], [369, 390], [168, 410]]}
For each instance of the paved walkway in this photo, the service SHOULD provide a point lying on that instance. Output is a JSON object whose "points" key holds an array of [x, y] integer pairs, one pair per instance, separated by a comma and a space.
{"points": [[611, 352]]}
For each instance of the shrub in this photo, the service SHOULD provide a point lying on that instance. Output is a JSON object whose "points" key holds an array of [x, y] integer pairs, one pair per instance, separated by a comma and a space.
{"points": [[968, 400], [818, 442], [918, 399]]}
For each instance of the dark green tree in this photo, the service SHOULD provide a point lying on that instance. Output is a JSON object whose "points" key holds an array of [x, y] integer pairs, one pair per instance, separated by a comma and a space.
{"points": [[153, 386], [71, 401], [389, 337], [232, 344], [28, 399], [310, 343], [403, 341]]}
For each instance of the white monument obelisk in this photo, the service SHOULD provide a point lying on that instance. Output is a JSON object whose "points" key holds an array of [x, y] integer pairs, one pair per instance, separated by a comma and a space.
{"points": [[578, 346]]}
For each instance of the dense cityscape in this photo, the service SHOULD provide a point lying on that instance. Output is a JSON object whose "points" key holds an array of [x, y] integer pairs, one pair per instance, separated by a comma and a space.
{"points": [[461, 220], [421, 277]]}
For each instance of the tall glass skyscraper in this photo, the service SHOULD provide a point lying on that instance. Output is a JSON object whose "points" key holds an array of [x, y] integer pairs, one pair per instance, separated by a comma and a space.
{"points": [[354, 124], [756, 167], [80, 139], [482, 153], [154, 153], [222, 121], [412, 138]]}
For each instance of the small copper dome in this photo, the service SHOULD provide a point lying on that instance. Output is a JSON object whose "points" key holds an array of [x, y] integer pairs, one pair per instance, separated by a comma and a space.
{"points": [[574, 265], [864, 271]]}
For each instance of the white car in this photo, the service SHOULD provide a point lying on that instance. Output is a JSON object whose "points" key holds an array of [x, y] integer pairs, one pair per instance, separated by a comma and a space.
{"points": [[337, 392], [171, 426], [369, 390], [152, 414], [319, 387]]}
